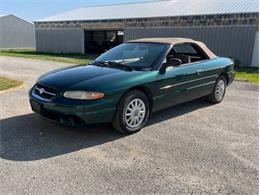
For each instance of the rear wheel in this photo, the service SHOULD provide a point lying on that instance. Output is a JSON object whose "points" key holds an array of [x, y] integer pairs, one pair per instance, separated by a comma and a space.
{"points": [[219, 90], [132, 112]]}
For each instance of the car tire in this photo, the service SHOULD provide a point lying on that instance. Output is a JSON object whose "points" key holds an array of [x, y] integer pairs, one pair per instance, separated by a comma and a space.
{"points": [[219, 91], [132, 112]]}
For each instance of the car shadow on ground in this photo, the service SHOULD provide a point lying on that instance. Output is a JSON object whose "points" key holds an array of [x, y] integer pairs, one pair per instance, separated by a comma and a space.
{"points": [[29, 137]]}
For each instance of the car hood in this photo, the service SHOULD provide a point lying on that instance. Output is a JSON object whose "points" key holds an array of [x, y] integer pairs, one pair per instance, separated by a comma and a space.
{"points": [[83, 77]]}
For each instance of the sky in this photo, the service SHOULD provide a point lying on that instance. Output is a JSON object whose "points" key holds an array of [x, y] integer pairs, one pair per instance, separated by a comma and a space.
{"points": [[31, 10]]}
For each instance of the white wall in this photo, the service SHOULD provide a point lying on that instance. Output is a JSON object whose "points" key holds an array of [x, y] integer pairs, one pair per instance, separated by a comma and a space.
{"points": [[16, 33]]}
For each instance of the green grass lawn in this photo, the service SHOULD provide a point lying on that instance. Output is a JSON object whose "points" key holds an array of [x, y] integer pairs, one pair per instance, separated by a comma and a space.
{"points": [[6, 83], [32, 54], [249, 74]]}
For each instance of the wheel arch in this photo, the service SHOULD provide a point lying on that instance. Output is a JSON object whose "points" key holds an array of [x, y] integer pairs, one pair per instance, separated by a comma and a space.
{"points": [[226, 76], [143, 89]]}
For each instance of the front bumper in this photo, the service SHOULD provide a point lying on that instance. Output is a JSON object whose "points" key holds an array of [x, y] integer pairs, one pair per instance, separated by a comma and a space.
{"points": [[99, 111]]}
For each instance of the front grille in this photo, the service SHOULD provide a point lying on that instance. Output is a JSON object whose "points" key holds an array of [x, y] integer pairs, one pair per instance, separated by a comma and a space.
{"points": [[43, 92]]}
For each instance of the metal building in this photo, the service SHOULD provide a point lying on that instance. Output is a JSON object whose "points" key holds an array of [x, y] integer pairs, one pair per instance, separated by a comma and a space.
{"points": [[16, 32], [228, 27]]}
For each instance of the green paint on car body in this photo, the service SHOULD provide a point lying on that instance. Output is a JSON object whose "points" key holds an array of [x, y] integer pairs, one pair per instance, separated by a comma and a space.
{"points": [[175, 85]]}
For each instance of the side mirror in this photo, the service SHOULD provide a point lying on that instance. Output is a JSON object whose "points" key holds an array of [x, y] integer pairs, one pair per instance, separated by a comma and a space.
{"points": [[170, 62]]}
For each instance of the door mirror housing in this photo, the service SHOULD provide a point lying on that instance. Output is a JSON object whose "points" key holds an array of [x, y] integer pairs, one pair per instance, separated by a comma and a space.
{"points": [[170, 62]]}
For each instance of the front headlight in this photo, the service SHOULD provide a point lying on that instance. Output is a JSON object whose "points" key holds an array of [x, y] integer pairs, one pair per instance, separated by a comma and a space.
{"points": [[83, 95]]}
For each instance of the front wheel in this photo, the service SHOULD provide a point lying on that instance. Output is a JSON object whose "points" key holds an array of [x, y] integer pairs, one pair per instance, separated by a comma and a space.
{"points": [[219, 90], [132, 112]]}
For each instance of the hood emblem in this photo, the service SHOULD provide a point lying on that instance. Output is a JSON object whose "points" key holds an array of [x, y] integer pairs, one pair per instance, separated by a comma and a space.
{"points": [[41, 90]]}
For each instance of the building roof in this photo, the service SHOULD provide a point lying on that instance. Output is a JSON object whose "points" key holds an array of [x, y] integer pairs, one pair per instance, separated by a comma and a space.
{"points": [[16, 17], [4, 15], [174, 41], [162, 8]]}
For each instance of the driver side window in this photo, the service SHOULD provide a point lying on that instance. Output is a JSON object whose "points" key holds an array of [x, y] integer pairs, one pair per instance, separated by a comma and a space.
{"points": [[187, 53]]}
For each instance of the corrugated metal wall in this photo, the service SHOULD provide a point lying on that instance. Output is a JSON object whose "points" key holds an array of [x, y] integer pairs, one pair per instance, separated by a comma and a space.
{"points": [[255, 56], [16, 33], [230, 41], [60, 41]]}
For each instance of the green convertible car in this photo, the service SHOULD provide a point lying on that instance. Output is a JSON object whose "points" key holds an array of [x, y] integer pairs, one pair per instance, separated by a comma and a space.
{"points": [[129, 82]]}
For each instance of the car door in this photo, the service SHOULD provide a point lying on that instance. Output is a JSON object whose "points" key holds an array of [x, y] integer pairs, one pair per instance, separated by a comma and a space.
{"points": [[181, 83]]}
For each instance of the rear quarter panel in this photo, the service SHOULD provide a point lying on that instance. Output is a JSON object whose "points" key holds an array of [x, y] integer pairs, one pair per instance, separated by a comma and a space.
{"points": [[220, 65]]}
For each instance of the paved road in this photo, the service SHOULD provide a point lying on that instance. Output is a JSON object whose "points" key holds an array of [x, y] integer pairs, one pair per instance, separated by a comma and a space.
{"points": [[190, 148]]}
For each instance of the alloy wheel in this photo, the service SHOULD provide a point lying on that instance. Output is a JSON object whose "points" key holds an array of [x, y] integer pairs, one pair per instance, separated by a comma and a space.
{"points": [[220, 90], [135, 113]]}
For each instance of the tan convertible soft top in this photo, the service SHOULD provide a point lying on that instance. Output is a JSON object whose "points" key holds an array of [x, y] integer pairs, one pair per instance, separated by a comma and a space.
{"points": [[174, 41]]}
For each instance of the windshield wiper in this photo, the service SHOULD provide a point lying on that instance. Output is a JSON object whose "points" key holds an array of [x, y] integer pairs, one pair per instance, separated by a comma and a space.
{"points": [[98, 63], [113, 63]]}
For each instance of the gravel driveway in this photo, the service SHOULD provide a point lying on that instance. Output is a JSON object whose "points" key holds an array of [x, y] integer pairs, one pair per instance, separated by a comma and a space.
{"points": [[195, 147]]}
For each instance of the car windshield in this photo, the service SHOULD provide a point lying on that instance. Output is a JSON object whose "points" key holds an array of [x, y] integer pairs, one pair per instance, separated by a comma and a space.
{"points": [[138, 56]]}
